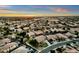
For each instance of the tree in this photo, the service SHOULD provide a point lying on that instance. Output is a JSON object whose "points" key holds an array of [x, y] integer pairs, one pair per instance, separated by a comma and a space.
{"points": [[34, 43], [27, 36], [59, 50], [68, 28], [50, 40], [46, 23], [76, 33], [21, 41], [23, 34], [63, 28], [6, 31], [52, 51], [46, 32]]}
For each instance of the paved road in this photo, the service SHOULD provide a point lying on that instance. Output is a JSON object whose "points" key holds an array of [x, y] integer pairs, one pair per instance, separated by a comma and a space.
{"points": [[47, 49]]}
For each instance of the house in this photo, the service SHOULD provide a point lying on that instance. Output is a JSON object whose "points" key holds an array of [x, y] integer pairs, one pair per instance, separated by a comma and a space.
{"points": [[69, 35], [21, 49], [39, 32], [31, 33], [8, 47], [26, 28], [59, 35], [4, 41], [53, 37], [40, 38], [70, 50]]}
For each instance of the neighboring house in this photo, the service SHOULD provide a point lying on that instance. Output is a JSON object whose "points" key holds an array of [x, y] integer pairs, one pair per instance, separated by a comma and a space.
{"points": [[4, 41], [21, 49], [8, 47], [39, 32]]}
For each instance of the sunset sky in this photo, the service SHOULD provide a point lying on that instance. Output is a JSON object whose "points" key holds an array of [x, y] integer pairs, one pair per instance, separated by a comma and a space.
{"points": [[38, 10]]}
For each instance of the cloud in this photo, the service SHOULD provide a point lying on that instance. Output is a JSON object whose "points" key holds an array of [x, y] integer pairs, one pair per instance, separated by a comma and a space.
{"points": [[61, 10], [64, 10], [5, 6], [6, 11]]}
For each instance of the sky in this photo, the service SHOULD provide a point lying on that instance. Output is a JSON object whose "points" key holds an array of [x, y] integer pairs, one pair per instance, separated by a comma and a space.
{"points": [[38, 10]]}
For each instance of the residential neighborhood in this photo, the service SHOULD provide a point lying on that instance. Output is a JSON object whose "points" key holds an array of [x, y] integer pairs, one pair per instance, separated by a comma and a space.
{"points": [[40, 34]]}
